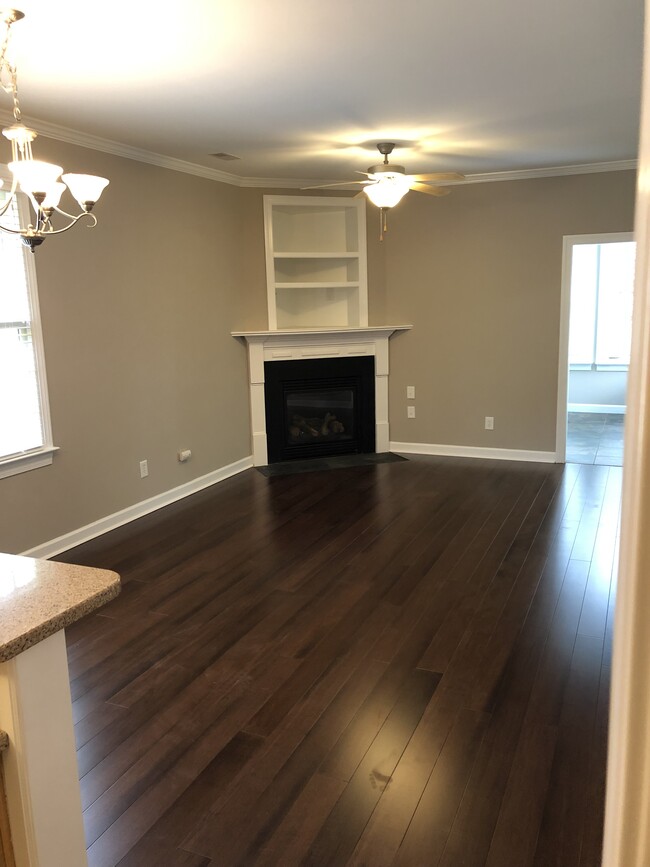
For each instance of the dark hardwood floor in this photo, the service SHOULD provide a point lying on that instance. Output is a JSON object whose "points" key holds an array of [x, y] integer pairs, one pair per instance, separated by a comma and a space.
{"points": [[402, 664]]}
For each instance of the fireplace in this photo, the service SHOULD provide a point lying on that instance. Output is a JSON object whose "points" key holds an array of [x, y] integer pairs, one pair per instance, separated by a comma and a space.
{"points": [[333, 344], [318, 407]]}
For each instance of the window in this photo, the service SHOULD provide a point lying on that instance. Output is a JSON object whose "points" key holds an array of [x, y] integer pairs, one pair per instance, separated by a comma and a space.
{"points": [[25, 433], [602, 288]]}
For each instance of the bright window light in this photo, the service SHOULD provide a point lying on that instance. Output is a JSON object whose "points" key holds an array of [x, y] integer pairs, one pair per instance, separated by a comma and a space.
{"points": [[23, 402], [602, 291]]}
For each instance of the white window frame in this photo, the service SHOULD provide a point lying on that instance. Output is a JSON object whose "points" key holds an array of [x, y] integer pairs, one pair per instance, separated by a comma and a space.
{"points": [[31, 459]]}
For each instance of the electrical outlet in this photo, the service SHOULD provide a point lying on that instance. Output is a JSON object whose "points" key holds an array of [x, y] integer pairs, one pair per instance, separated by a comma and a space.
{"points": [[144, 469], [184, 455], [410, 392], [410, 412], [489, 422]]}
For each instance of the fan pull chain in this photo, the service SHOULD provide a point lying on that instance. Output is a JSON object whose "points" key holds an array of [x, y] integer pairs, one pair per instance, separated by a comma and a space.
{"points": [[383, 222]]}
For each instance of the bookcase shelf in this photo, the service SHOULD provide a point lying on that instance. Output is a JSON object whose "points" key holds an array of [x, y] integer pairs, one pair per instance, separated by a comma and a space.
{"points": [[315, 262]]}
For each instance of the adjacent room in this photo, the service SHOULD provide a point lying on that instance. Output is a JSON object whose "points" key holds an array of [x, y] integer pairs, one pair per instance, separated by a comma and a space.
{"points": [[315, 331], [601, 289]]}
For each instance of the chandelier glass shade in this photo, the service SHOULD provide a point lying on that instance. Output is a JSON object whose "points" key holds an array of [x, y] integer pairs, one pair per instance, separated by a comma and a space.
{"points": [[42, 182]]}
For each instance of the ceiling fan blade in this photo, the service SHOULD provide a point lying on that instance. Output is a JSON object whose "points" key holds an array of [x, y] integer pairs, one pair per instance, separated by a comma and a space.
{"points": [[430, 191], [337, 184], [440, 176]]}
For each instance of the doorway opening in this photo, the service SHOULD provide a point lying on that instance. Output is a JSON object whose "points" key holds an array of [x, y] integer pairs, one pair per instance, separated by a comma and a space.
{"points": [[595, 337]]}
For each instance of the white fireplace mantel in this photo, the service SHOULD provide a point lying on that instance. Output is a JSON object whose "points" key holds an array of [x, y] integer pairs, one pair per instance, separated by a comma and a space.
{"points": [[302, 343]]}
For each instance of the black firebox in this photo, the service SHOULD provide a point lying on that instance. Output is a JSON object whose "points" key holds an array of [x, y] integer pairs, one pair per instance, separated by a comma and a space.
{"points": [[320, 406]]}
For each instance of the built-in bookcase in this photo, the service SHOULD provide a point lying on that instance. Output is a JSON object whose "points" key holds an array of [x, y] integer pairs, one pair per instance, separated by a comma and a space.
{"points": [[316, 262]]}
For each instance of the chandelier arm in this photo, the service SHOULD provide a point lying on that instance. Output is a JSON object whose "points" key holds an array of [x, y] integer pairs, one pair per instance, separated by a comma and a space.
{"points": [[70, 225], [11, 231], [5, 207], [69, 216], [41, 234]]}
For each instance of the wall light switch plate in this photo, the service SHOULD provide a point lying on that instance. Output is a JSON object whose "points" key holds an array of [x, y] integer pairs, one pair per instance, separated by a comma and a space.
{"points": [[144, 469], [410, 411], [410, 392]]}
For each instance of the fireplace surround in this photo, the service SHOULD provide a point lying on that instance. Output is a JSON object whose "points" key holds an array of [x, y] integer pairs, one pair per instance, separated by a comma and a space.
{"points": [[278, 347]]}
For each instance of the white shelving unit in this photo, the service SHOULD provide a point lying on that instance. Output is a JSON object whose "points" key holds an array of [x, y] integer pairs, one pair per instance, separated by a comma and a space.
{"points": [[316, 267]]}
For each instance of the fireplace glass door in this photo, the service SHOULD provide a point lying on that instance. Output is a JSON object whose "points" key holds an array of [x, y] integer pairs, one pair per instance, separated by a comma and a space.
{"points": [[319, 407], [319, 414]]}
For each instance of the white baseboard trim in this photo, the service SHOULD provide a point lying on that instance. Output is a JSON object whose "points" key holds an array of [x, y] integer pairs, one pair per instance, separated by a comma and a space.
{"points": [[138, 510], [614, 408], [473, 452]]}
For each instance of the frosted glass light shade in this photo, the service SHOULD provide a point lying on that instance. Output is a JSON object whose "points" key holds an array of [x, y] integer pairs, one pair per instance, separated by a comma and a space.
{"points": [[387, 192], [85, 188], [35, 176], [53, 196]]}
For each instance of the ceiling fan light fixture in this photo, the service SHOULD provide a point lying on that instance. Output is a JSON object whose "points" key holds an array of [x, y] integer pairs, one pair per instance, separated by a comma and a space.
{"points": [[386, 184], [388, 191]]}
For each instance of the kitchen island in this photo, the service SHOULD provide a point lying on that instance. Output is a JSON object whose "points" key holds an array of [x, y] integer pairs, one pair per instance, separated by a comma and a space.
{"points": [[38, 599]]}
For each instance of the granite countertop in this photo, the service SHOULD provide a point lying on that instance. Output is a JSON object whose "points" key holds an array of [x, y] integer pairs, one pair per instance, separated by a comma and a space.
{"points": [[40, 597]]}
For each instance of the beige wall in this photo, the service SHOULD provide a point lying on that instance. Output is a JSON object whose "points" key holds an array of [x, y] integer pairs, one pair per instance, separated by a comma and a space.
{"points": [[478, 273], [137, 317]]}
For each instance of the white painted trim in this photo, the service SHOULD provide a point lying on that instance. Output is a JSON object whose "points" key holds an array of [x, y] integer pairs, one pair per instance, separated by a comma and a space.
{"points": [[31, 459], [118, 149], [279, 346], [75, 137], [42, 778], [613, 408], [627, 830], [473, 452], [294, 335], [27, 461], [550, 172], [568, 242], [563, 351], [137, 510]]}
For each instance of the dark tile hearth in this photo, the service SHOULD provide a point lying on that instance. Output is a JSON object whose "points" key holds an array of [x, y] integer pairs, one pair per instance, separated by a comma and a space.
{"points": [[334, 462]]}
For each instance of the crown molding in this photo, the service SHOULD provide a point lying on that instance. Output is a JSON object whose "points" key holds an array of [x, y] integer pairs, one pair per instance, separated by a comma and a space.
{"points": [[550, 172], [294, 183], [75, 137]]}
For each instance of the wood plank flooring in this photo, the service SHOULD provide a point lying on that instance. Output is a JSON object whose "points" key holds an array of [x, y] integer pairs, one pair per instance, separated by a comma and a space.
{"points": [[404, 664]]}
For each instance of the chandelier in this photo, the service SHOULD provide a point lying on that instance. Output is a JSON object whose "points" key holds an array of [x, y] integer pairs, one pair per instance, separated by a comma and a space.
{"points": [[37, 179]]}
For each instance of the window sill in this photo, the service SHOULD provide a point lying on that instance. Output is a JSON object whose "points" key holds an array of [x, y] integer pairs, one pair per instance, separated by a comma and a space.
{"points": [[27, 461], [600, 368]]}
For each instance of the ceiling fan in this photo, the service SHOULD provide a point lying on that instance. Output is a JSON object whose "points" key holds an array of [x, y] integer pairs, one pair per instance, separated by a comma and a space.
{"points": [[387, 183]]}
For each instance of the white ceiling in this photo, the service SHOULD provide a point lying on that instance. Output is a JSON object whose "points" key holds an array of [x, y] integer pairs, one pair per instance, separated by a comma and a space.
{"points": [[304, 88]]}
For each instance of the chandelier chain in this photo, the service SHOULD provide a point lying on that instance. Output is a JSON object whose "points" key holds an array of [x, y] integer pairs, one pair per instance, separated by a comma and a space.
{"points": [[14, 94], [4, 63], [9, 73]]}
